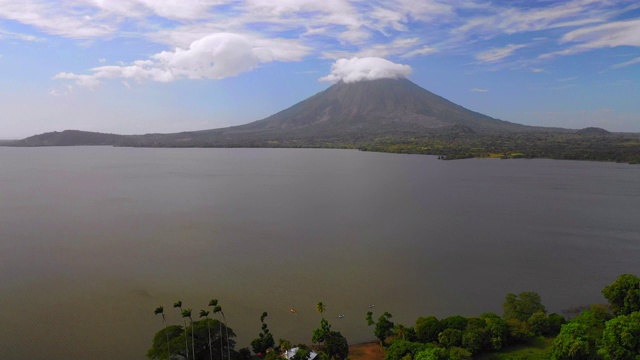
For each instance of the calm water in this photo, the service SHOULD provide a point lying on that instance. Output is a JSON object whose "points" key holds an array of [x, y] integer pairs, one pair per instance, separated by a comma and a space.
{"points": [[92, 239]]}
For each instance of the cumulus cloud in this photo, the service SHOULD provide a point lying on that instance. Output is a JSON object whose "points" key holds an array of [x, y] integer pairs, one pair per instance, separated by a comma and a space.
{"points": [[368, 68], [215, 56]]}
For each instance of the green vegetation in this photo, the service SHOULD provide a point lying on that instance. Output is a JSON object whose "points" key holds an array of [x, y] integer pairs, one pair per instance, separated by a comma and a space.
{"points": [[538, 348], [264, 340], [524, 332], [552, 145]]}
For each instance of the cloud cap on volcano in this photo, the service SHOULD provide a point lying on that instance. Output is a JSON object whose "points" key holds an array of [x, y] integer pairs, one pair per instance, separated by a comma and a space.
{"points": [[367, 68]]}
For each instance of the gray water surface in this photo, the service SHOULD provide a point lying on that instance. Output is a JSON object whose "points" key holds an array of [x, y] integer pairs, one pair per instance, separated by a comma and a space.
{"points": [[92, 239]]}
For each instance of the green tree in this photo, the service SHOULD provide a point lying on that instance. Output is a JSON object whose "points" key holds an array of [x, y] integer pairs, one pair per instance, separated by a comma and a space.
{"points": [[522, 306], [214, 304], [400, 332], [320, 333], [439, 353], [321, 308], [167, 343], [177, 338], [301, 354], [456, 353], [450, 338], [454, 322], [475, 340], [427, 329], [497, 330], [178, 304], [539, 323], [555, 324], [434, 353], [335, 345], [384, 326], [518, 331], [621, 338], [623, 294], [579, 338], [160, 311], [186, 313], [264, 340], [574, 343], [401, 349], [205, 314], [218, 309]]}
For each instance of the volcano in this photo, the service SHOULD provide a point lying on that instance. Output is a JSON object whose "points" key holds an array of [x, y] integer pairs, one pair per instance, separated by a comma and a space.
{"points": [[382, 104], [345, 113]]}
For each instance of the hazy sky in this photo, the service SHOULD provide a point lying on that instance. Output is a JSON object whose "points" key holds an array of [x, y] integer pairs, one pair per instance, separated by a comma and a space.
{"points": [[139, 66]]}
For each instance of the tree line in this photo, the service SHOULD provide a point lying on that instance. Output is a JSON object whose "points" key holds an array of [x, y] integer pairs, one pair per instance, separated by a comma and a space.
{"points": [[598, 332]]}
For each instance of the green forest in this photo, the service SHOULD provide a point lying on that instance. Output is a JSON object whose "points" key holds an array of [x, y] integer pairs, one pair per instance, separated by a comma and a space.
{"points": [[524, 331], [623, 148]]}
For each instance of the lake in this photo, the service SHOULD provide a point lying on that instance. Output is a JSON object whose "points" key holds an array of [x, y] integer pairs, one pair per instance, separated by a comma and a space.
{"points": [[92, 239]]}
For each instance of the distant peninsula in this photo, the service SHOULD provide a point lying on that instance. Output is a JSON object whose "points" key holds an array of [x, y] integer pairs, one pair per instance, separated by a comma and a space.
{"points": [[384, 115]]}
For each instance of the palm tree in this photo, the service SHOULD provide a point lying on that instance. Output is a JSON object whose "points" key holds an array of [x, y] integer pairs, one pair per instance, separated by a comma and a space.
{"points": [[178, 304], [226, 329], [187, 314], [321, 308], [205, 314], [214, 304], [160, 311]]}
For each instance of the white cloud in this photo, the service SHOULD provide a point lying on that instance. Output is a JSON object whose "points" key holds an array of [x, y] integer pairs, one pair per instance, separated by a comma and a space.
{"points": [[613, 34], [419, 51], [538, 70], [403, 47], [215, 56], [496, 54], [560, 14], [54, 18], [626, 63], [170, 9], [368, 68], [479, 90]]}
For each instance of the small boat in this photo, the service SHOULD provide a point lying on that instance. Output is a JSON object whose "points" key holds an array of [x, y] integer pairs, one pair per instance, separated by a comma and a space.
{"points": [[371, 306], [340, 316], [292, 310]]}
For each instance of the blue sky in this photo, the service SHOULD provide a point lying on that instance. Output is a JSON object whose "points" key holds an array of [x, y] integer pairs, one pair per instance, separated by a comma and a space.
{"points": [[140, 66]]}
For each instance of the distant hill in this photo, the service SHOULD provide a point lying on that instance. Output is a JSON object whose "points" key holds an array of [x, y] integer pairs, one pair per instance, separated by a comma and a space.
{"points": [[70, 138]]}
